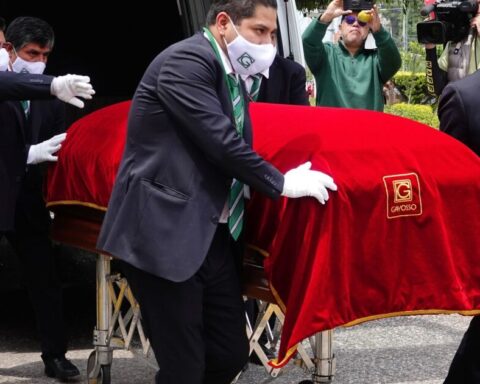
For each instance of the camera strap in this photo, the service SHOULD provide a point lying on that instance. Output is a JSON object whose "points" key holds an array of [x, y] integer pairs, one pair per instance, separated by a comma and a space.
{"points": [[457, 48], [459, 58]]}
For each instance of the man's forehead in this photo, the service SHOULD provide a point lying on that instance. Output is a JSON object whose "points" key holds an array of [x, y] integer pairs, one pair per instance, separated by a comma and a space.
{"points": [[258, 23], [34, 47], [263, 17]]}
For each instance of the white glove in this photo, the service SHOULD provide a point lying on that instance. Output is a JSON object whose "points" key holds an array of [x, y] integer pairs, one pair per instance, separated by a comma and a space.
{"points": [[44, 151], [69, 87], [302, 181]]}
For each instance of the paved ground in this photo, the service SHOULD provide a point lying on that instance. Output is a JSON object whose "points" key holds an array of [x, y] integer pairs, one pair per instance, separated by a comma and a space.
{"points": [[413, 350]]}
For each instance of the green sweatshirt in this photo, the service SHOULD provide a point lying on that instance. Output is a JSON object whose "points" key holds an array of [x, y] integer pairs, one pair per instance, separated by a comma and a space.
{"points": [[350, 81]]}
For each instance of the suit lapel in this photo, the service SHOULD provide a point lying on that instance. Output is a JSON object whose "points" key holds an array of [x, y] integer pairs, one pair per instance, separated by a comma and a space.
{"points": [[266, 87]]}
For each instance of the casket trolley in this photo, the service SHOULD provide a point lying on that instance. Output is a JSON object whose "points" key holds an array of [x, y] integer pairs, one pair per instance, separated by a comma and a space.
{"points": [[119, 317], [424, 199]]}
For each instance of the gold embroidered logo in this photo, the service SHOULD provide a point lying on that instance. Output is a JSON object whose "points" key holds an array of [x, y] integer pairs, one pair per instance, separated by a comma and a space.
{"points": [[403, 195]]}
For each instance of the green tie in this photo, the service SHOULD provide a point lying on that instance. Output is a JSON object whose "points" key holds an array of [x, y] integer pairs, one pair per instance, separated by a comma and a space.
{"points": [[236, 202], [237, 102], [255, 89], [25, 107]]}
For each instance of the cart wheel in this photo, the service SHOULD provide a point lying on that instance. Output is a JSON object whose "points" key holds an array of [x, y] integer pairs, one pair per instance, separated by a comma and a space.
{"points": [[103, 376]]}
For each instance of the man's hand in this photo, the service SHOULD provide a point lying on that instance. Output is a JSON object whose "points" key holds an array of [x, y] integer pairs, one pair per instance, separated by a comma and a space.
{"points": [[69, 88], [334, 9], [375, 24], [44, 151], [302, 181], [475, 22]]}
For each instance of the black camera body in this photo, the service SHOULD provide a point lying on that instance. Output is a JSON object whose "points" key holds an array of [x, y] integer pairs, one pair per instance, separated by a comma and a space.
{"points": [[358, 5], [452, 21]]}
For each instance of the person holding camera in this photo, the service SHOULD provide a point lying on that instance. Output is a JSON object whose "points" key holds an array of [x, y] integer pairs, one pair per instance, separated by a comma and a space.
{"points": [[458, 59], [348, 74]]}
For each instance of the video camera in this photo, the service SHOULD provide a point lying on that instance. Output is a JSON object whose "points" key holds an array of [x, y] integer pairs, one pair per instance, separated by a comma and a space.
{"points": [[452, 21], [358, 5]]}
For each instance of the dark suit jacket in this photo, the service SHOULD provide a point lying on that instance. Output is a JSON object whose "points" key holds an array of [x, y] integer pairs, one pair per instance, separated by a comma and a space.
{"points": [[459, 111], [13, 140], [182, 150], [285, 84], [46, 119]]}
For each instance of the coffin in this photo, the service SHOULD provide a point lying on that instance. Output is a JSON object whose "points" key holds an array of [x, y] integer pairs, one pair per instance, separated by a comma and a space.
{"points": [[399, 237]]}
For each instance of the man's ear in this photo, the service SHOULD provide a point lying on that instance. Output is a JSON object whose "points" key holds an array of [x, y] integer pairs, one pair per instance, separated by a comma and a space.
{"points": [[8, 46], [222, 22], [11, 52]]}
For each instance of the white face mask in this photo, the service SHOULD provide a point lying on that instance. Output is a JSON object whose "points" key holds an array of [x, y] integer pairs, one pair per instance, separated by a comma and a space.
{"points": [[248, 58], [4, 60], [23, 66]]}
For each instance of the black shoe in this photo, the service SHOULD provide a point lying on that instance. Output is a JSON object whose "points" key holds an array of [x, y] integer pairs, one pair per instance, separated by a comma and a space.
{"points": [[60, 368]]}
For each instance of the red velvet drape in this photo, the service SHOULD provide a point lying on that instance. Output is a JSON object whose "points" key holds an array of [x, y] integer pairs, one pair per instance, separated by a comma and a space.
{"points": [[400, 236]]}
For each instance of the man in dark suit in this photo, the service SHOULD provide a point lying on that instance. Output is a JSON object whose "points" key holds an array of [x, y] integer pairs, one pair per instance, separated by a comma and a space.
{"points": [[33, 133], [12, 150], [459, 112], [176, 208], [286, 83], [459, 115], [13, 156]]}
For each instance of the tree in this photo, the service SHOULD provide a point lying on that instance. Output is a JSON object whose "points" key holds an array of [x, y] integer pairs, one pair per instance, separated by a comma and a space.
{"points": [[310, 5]]}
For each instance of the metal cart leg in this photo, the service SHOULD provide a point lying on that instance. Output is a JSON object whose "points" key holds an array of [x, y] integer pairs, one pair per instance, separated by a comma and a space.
{"points": [[324, 358], [100, 360]]}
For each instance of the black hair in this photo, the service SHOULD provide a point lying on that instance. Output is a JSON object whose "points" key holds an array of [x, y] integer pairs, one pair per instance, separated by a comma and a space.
{"points": [[3, 24], [25, 30], [236, 9]]}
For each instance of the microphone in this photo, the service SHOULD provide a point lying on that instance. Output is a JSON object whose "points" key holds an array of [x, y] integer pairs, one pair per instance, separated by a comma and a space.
{"points": [[427, 9]]}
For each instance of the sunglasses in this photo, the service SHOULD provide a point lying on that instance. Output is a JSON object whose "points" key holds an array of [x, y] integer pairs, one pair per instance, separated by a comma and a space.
{"points": [[351, 19]]}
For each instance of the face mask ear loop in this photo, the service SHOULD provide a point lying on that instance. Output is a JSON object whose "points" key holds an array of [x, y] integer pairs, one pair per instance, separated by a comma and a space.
{"points": [[16, 56], [225, 40], [233, 25]]}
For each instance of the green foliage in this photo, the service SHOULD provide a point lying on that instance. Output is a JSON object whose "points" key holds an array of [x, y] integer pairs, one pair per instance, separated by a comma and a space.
{"points": [[413, 59], [311, 4], [422, 113], [414, 87], [317, 4]]}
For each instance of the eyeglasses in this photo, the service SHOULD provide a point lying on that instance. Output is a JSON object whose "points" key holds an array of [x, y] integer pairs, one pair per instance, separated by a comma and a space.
{"points": [[350, 19]]}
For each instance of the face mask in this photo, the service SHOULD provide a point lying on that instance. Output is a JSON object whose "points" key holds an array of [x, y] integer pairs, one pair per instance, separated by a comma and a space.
{"points": [[23, 66], [4, 60], [248, 58]]}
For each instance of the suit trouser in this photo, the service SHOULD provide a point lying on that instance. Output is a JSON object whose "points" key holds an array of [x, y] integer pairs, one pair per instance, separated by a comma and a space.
{"points": [[37, 259], [196, 327], [465, 366]]}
